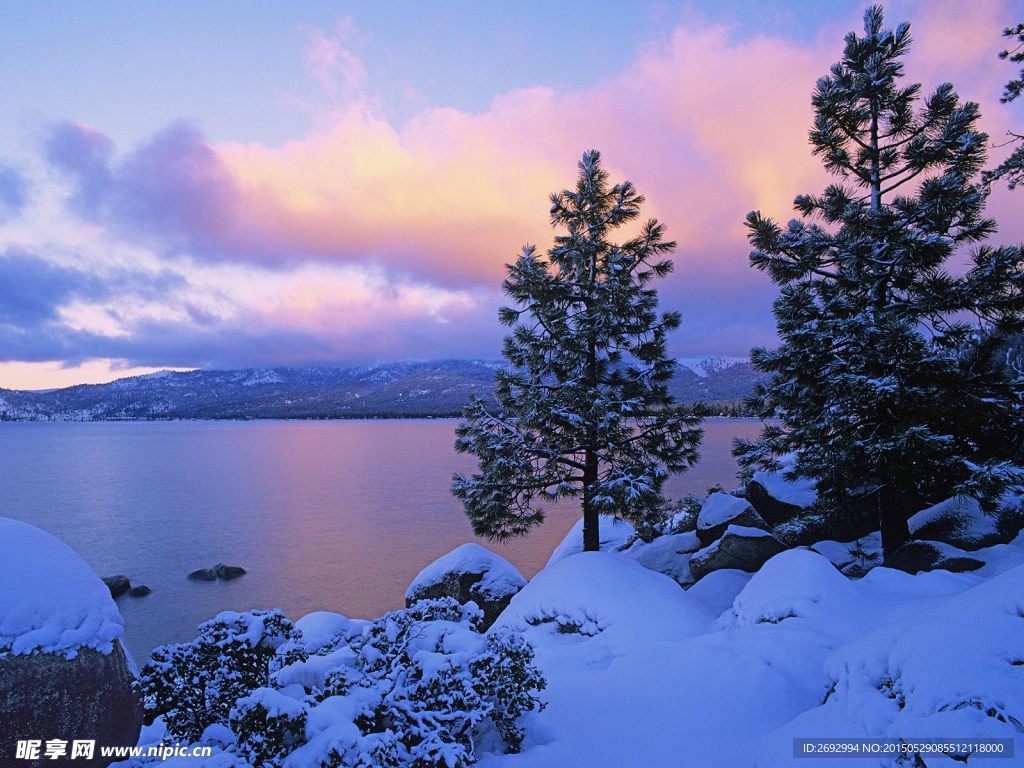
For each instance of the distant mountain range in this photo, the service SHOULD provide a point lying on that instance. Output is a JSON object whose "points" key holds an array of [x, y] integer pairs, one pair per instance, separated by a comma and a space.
{"points": [[387, 390]]}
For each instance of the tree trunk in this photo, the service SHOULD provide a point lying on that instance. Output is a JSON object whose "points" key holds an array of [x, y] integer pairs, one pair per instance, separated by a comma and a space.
{"points": [[591, 520], [892, 518], [876, 173]]}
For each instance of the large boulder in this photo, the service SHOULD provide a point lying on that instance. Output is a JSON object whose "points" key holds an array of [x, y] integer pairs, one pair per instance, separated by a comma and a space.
{"points": [[721, 510], [63, 672], [746, 549], [959, 521], [778, 499], [469, 573], [916, 556], [49, 696]]}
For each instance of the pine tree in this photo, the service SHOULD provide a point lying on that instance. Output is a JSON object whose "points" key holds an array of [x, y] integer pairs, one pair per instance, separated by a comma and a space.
{"points": [[886, 393], [1012, 169], [584, 407]]}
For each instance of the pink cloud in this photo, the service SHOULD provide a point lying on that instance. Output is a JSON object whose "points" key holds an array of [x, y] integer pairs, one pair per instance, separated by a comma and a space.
{"points": [[707, 125]]}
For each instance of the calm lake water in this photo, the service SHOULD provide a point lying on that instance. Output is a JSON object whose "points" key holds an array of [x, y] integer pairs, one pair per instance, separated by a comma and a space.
{"points": [[324, 515]]}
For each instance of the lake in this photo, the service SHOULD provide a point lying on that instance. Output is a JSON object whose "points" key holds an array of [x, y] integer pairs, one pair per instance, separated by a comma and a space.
{"points": [[324, 515]]}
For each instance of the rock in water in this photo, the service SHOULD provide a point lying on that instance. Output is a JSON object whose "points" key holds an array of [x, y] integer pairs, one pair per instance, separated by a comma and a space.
{"points": [[117, 585], [469, 573], [744, 548], [722, 510], [140, 591], [228, 572], [63, 672], [203, 574]]}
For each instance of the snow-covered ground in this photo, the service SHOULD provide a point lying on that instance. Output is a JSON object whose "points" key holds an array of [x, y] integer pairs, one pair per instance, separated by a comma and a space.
{"points": [[642, 673]]}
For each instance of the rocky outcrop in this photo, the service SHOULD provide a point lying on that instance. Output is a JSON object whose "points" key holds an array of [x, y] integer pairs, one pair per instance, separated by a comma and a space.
{"points": [[469, 573], [746, 549], [48, 696], [722, 510], [203, 574], [917, 556]]}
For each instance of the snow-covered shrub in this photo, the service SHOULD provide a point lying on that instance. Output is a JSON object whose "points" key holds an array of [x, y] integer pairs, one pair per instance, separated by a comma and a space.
{"points": [[268, 725], [427, 677], [416, 688], [194, 685]]}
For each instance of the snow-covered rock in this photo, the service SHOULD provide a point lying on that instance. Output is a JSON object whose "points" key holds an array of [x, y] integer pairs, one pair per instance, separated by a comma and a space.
{"points": [[63, 672], [50, 599], [469, 573], [740, 547], [614, 535], [721, 510], [959, 521], [917, 556], [778, 499], [854, 558]]}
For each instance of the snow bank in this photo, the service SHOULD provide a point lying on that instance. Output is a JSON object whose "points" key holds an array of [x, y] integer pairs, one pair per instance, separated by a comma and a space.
{"points": [[638, 677], [614, 535], [668, 554], [500, 578], [952, 669], [50, 599], [718, 589], [594, 594]]}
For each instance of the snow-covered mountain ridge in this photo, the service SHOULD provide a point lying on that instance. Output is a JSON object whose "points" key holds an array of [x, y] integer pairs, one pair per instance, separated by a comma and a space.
{"points": [[409, 389]]}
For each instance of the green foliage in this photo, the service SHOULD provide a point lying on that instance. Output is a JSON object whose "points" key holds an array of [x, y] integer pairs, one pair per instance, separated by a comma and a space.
{"points": [[886, 393], [266, 732], [1011, 170], [194, 685], [417, 688], [584, 407]]}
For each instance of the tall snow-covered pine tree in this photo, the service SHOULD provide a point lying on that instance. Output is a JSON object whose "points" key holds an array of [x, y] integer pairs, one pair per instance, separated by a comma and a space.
{"points": [[885, 381], [584, 406]]}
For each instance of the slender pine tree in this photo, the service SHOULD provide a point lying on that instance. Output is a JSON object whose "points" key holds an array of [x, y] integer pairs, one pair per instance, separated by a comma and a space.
{"points": [[584, 406], [885, 385]]}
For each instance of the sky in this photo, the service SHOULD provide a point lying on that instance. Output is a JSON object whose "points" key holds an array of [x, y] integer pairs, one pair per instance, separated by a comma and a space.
{"points": [[225, 185]]}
